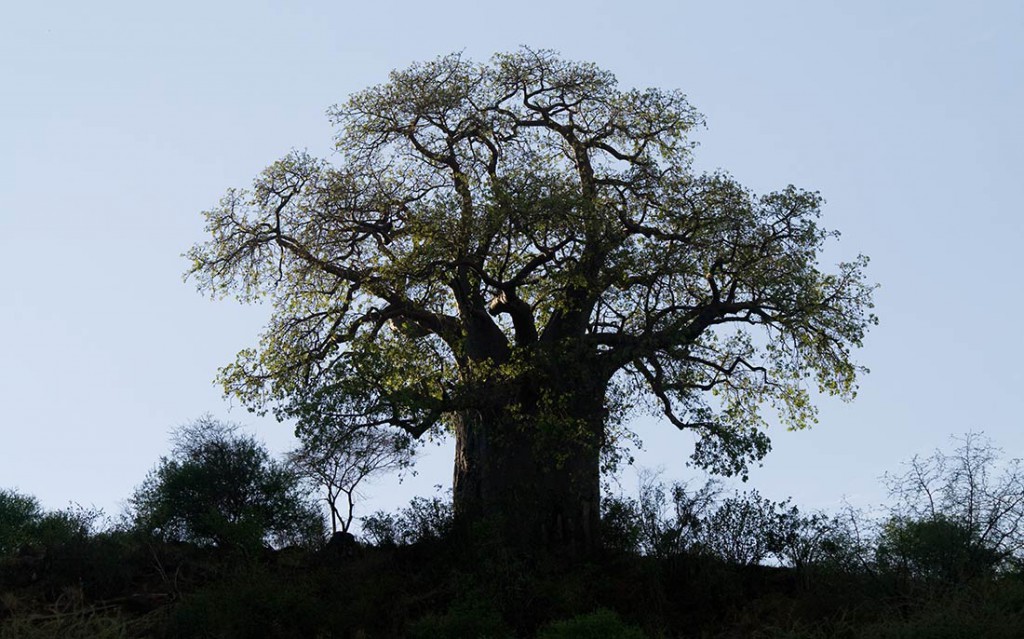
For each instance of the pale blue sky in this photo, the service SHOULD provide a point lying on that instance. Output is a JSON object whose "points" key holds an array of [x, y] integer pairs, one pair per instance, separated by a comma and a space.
{"points": [[121, 121]]}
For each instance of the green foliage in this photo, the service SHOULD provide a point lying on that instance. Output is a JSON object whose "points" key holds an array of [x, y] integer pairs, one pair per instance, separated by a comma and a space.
{"points": [[118, 584], [662, 520], [745, 529], [524, 235], [823, 542], [600, 624], [24, 524], [19, 514], [620, 527], [742, 529], [222, 488], [72, 524], [423, 520], [934, 549]]}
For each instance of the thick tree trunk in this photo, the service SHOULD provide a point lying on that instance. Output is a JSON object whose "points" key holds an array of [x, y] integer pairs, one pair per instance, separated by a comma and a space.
{"points": [[532, 474]]}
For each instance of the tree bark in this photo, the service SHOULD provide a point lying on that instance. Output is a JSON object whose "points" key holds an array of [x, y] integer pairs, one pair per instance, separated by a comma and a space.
{"points": [[530, 470]]}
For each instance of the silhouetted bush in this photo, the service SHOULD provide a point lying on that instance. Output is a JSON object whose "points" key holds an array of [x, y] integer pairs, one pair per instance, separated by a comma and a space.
{"points": [[682, 562], [24, 525], [620, 524], [222, 488], [73, 524], [661, 521], [423, 520], [936, 549], [745, 529], [968, 503], [19, 515]]}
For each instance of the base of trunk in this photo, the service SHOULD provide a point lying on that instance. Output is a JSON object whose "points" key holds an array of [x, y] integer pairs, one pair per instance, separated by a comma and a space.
{"points": [[538, 493]]}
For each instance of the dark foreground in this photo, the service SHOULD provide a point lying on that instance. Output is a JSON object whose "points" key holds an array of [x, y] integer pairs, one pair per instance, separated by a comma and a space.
{"points": [[120, 585]]}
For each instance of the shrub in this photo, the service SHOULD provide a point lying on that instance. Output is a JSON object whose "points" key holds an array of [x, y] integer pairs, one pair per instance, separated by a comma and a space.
{"points": [[24, 523], [662, 521], [745, 529], [423, 520], [19, 514], [601, 624], [222, 488], [620, 524], [934, 549], [970, 500]]}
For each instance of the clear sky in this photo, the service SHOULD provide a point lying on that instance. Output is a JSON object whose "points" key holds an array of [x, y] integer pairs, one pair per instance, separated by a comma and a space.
{"points": [[121, 121]]}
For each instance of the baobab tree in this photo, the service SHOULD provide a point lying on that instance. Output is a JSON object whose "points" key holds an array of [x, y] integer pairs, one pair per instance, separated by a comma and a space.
{"points": [[520, 254]]}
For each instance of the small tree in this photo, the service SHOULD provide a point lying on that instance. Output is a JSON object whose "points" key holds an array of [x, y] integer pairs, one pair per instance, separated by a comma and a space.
{"points": [[956, 514], [340, 461], [220, 487]]}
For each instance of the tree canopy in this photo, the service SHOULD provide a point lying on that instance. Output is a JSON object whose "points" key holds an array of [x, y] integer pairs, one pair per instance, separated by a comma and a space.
{"points": [[339, 461], [220, 487], [496, 237]]}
